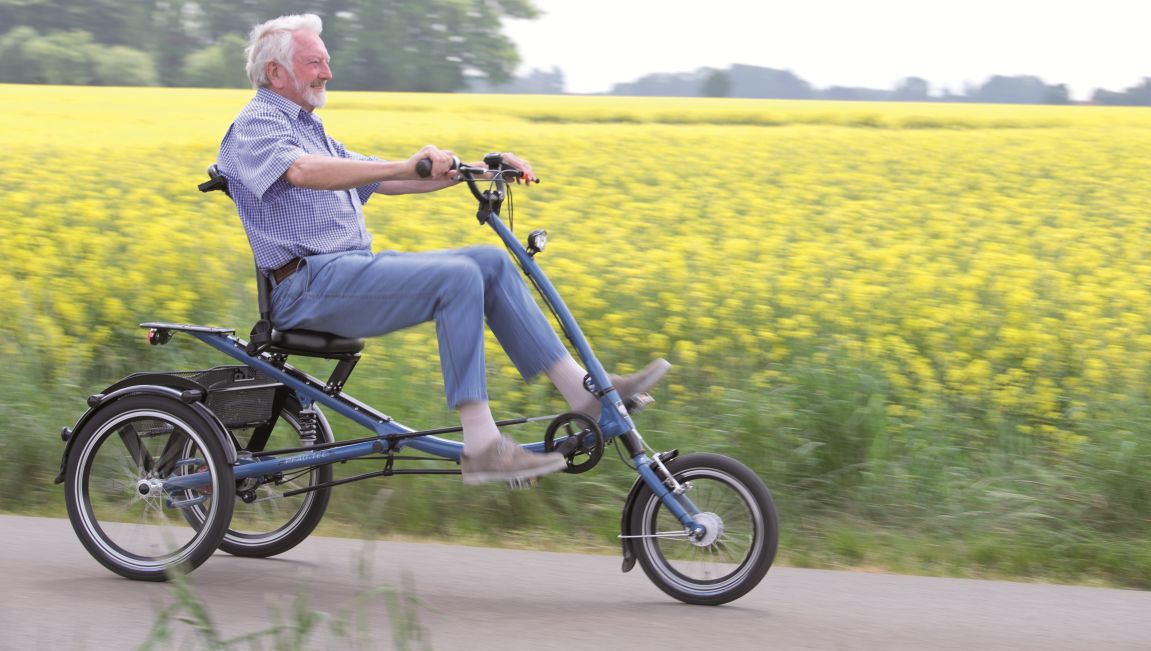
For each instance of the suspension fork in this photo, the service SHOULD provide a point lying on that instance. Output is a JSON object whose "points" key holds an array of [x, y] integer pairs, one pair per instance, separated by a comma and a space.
{"points": [[659, 479]]}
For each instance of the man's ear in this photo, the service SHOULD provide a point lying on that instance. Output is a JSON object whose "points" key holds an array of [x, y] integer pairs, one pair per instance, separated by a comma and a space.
{"points": [[277, 75]]}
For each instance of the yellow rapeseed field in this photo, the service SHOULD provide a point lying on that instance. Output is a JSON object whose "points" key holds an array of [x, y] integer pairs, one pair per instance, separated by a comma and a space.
{"points": [[991, 259]]}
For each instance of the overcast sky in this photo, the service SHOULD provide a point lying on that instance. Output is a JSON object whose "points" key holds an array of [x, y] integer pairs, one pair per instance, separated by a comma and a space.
{"points": [[872, 43]]}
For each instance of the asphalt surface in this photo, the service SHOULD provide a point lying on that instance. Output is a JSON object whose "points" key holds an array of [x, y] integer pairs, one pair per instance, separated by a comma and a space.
{"points": [[55, 596]]}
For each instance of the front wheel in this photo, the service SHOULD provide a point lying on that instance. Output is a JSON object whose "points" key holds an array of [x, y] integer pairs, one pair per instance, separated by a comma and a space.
{"points": [[735, 551]]}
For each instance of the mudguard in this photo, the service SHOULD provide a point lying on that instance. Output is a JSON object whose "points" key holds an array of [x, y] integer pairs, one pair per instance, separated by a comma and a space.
{"points": [[625, 525], [159, 384], [628, 506]]}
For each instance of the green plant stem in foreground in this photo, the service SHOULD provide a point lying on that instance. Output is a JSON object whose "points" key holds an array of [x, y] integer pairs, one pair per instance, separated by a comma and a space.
{"points": [[187, 623]]}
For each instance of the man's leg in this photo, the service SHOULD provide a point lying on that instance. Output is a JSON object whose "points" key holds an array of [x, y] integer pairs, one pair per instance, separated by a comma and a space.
{"points": [[360, 295], [512, 313], [531, 341]]}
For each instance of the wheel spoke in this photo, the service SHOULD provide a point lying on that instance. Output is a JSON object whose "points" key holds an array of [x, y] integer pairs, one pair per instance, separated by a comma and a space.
{"points": [[136, 450], [175, 448]]}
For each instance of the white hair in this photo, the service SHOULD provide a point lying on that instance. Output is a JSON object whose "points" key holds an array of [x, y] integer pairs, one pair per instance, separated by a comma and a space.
{"points": [[272, 41]]}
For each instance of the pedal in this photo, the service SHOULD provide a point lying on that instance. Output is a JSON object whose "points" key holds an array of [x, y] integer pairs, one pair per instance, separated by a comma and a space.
{"points": [[521, 484], [638, 402]]}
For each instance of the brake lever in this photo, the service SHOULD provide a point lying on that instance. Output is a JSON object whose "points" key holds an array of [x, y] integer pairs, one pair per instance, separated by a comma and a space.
{"points": [[495, 163]]}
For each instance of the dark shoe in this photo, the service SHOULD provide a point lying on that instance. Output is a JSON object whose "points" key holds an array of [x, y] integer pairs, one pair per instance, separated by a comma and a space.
{"points": [[629, 386], [507, 461]]}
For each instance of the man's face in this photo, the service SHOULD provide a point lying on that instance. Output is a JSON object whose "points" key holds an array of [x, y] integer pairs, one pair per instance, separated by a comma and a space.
{"points": [[305, 83]]}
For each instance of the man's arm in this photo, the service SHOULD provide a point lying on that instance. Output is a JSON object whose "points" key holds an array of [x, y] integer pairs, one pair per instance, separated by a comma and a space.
{"points": [[329, 173], [414, 187]]}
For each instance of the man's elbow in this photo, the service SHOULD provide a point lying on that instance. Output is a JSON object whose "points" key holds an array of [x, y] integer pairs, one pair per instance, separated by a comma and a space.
{"points": [[297, 173]]}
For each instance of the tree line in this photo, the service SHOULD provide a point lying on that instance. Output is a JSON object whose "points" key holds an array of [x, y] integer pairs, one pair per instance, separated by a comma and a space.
{"points": [[408, 45], [768, 83], [416, 45]]}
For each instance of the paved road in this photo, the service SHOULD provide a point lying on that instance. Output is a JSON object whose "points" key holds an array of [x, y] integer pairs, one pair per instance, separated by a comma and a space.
{"points": [[54, 596]]}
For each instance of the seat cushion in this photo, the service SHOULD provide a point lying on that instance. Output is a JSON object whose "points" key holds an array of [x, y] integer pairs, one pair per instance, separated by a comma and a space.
{"points": [[311, 342]]}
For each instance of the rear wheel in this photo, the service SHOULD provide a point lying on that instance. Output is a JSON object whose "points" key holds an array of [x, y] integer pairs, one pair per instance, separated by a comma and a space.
{"points": [[264, 522], [740, 538], [119, 494]]}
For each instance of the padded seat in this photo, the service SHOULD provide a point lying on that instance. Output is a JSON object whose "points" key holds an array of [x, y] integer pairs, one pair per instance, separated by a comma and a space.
{"points": [[313, 343]]}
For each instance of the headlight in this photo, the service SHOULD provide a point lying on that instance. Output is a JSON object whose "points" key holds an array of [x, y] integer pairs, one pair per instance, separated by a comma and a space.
{"points": [[537, 240]]}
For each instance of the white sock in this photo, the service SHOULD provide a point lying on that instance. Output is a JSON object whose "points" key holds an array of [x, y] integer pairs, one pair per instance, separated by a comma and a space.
{"points": [[568, 377], [479, 425]]}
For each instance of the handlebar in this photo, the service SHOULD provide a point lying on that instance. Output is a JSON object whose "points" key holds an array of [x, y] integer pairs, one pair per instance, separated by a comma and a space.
{"points": [[496, 172], [494, 162]]}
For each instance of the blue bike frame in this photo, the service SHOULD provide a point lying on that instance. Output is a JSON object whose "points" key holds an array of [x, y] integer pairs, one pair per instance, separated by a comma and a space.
{"points": [[391, 436]]}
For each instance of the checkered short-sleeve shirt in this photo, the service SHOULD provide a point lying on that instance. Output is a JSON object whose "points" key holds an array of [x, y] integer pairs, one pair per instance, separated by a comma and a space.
{"points": [[283, 221]]}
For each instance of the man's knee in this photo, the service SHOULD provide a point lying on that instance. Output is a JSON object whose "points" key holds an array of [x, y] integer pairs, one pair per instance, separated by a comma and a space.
{"points": [[492, 260], [461, 275], [487, 256]]}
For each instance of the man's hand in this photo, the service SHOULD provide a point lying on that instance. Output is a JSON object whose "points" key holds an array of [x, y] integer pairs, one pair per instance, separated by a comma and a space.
{"points": [[441, 162], [521, 165]]}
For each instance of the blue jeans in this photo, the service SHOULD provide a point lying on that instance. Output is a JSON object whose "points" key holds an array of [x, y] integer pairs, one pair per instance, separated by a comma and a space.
{"points": [[358, 294]]}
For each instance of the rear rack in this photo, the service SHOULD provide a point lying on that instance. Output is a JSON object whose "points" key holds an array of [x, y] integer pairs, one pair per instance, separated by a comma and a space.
{"points": [[160, 333]]}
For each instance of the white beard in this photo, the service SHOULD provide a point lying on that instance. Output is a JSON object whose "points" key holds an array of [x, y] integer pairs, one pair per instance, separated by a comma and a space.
{"points": [[315, 96]]}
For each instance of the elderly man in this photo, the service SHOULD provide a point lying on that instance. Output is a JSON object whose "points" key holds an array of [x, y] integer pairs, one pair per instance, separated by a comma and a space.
{"points": [[300, 195]]}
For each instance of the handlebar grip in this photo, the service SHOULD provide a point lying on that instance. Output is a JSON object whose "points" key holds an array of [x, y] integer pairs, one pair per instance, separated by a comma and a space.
{"points": [[424, 167]]}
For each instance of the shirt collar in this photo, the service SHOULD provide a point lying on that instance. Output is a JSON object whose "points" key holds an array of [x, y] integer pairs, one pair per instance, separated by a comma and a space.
{"points": [[287, 106]]}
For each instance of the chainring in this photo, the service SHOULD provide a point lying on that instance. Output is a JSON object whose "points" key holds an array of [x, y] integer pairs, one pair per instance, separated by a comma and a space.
{"points": [[578, 438]]}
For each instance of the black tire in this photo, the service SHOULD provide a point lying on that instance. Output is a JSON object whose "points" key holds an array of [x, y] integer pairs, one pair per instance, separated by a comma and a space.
{"points": [[268, 527], [113, 480], [721, 567]]}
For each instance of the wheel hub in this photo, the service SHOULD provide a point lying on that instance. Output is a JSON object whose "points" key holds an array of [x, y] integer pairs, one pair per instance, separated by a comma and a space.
{"points": [[150, 487], [712, 529]]}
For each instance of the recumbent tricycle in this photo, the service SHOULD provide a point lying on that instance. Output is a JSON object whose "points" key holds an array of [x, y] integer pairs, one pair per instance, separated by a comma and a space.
{"points": [[165, 468]]}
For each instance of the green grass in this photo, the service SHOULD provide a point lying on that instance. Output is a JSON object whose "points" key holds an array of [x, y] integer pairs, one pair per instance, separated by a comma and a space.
{"points": [[948, 493]]}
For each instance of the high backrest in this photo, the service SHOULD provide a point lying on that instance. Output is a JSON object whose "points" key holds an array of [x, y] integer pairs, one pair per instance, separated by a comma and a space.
{"points": [[218, 182]]}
